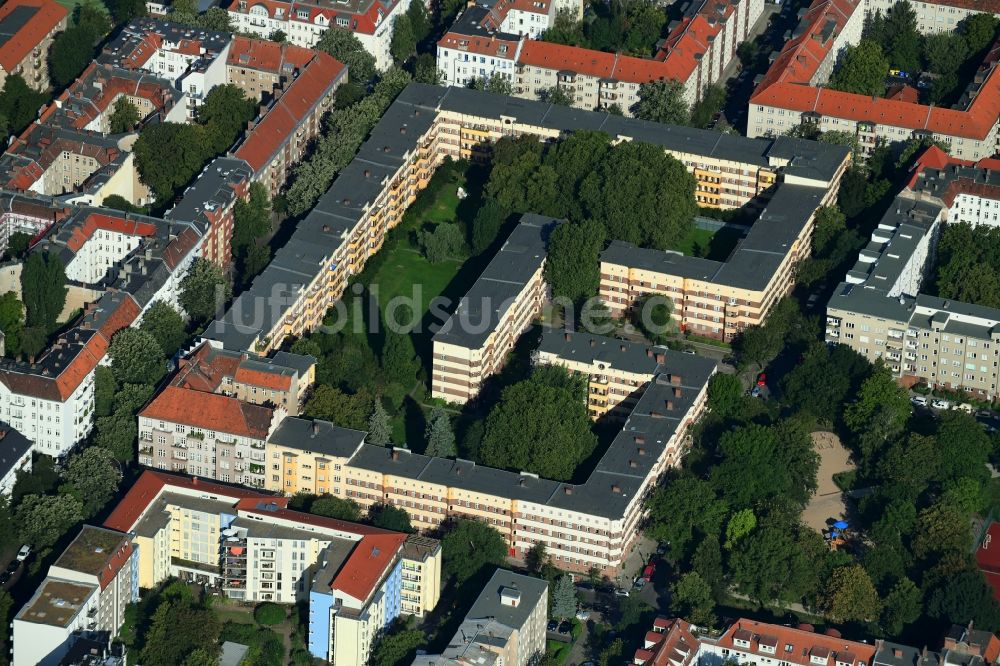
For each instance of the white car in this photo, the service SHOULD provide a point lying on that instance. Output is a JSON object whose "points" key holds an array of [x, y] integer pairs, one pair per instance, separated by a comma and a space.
{"points": [[22, 554], [965, 407], [941, 404], [919, 401]]}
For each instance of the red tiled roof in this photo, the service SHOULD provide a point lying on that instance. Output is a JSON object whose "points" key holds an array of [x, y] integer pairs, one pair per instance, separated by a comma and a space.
{"points": [[147, 488], [366, 564], [904, 93], [277, 127], [109, 572], [83, 232], [270, 380], [670, 643], [210, 411], [491, 46], [597, 64], [794, 646], [17, 48], [267, 55]]}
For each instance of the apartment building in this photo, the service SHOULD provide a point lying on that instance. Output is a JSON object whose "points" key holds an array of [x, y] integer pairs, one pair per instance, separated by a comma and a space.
{"points": [[492, 38], [937, 15], [428, 123], [27, 28], [211, 200], [617, 371], [85, 592], [304, 22], [719, 299], [117, 265], [792, 92], [421, 574], [474, 342], [505, 626], [879, 310], [590, 524], [251, 547], [669, 642], [15, 456]]}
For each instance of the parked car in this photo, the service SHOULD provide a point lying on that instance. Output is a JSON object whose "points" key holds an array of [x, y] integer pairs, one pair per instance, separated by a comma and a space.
{"points": [[941, 404], [756, 392], [583, 615], [662, 547], [762, 380], [552, 626], [13, 566], [919, 401], [640, 583], [621, 592], [649, 571], [965, 407], [565, 627], [22, 554], [4, 577]]}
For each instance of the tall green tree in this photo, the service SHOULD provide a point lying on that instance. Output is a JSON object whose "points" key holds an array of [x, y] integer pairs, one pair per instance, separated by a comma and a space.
{"points": [[379, 431], [399, 358], [345, 47], [564, 601], [204, 290], [404, 40], [126, 10], [572, 267], [681, 510], [849, 595], [225, 113], [336, 507], [43, 286], [398, 648], [92, 476], [188, 147], [439, 435], [486, 226], [901, 40], [344, 409], [179, 629], [11, 322], [881, 410], [125, 116], [468, 547], [692, 599], [390, 517], [44, 519], [901, 606], [662, 101], [166, 325], [862, 70], [136, 357], [19, 103]]}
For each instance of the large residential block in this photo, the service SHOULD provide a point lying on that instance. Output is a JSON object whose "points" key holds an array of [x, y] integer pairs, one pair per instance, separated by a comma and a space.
{"points": [[475, 341], [86, 591], [27, 28], [792, 92], [117, 265], [584, 525], [496, 39], [879, 311], [504, 627], [251, 547], [428, 123], [304, 21]]}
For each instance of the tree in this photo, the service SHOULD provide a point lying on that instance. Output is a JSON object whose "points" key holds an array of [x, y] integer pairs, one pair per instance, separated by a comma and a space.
{"points": [[572, 267], [390, 517], [862, 69], [963, 448], [18, 243], [404, 41], [713, 97], [278, 36], [117, 433], [662, 101], [963, 599], [425, 69], [564, 598], [725, 394], [136, 357], [125, 10], [486, 225], [104, 390], [540, 425], [740, 524], [379, 431], [692, 600], [44, 519], [125, 116], [251, 217], [900, 39], [204, 290], [941, 528], [849, 596], [11, 321], [399, 358], [881, 411], [340, 408], [556, 95], [345, 47], [420, 21], [681, 509], [92, 476], [188, 147], [225, 113], [652, 316], [902, 605], [166, 325], [19, 103], [6, 605], [216, 18], [43, 287], [440, 436], [178, 629], [979, 31], [496, 83], [398, 648], [336, 507], [707, 561], [536, 557], [444, 242], [268, 614], [945, 53], [469, 547], [71, 51], [775, 562]]}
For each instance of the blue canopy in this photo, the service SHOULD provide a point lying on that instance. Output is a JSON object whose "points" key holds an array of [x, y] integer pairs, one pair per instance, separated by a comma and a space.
{"points": [[840, 525]]}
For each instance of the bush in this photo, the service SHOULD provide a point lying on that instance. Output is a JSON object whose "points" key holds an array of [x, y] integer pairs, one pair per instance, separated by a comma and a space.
{"points": [[268, 614]]}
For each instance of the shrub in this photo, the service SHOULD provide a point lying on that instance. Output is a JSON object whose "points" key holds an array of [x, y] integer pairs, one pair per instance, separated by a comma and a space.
{"points": [[268, 614]]}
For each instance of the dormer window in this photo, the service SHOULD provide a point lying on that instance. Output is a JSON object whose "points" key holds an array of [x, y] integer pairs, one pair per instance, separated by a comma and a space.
{"points": [[738, 642]]}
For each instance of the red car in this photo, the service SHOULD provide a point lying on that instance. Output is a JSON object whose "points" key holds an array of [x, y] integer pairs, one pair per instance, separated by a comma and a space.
{"points": [[648, 572], [761, 379]]}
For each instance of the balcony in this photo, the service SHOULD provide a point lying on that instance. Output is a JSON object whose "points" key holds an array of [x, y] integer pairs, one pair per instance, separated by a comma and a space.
{"points": [[911, 333], [833, 322], [911, 345]]}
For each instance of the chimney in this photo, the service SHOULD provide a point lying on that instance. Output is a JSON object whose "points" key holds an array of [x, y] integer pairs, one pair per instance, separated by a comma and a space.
{"points": [[615, 488], [675, 379], [633, 464], [623, 347], [593, 342], [660, 357], [649, 353], [395, 455], [677, 392], [639, 439], [567, 336], [568, 490], [315, 429], [642, 451], [669, 405]]}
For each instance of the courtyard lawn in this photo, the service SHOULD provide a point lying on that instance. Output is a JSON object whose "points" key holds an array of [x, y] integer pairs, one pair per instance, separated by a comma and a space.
{"points": [[70, 5], [715, 245], [407, 273]]}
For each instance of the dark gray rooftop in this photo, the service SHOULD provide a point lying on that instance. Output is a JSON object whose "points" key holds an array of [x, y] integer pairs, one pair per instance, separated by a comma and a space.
{"points": [[13, 446], [619, 354], [320, 437], [212, 190], [483, 308], [488, 604], [11, 24]]}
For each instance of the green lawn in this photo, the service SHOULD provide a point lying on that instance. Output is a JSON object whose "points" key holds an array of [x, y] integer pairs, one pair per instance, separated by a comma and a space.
{"points": [[70, 5], [715, 245], [407, 273]]}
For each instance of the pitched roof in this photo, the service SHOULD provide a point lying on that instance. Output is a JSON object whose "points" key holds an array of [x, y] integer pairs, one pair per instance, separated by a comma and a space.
{"points": [[795, 646], [266, 55], [23, 26], [366, 564], [209, 411]]}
